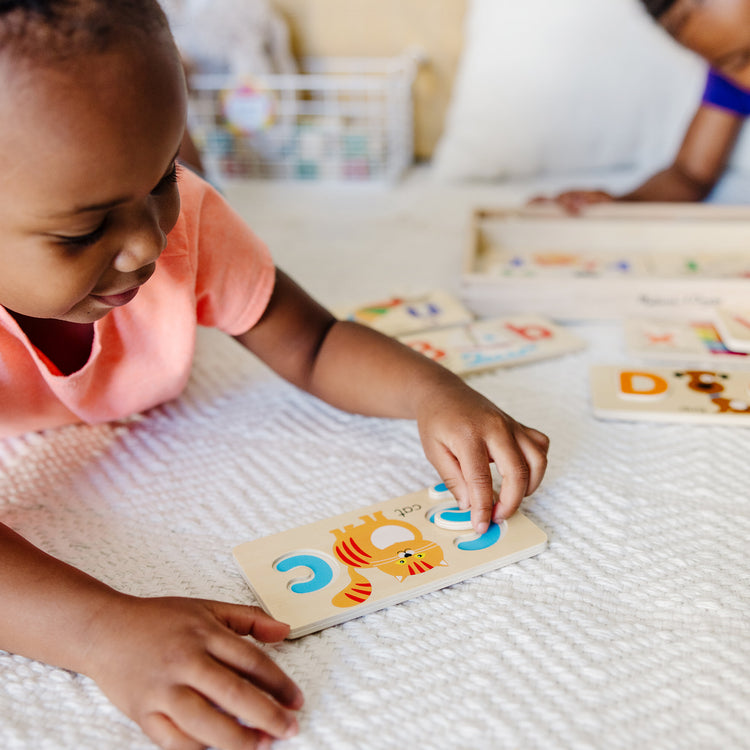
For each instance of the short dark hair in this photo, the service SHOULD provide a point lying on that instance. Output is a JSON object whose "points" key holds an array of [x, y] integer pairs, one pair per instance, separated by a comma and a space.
{"points": [[657, 8], [53, 30]]}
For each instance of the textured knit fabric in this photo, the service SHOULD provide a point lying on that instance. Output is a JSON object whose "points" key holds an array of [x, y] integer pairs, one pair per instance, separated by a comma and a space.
{"points": [[721, 92], [630, 631], [214, 272]]}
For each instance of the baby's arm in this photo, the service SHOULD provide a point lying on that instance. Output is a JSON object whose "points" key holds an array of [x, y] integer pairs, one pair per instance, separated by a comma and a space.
{"points": [[697, 167], [173, 665], [359, 370]]}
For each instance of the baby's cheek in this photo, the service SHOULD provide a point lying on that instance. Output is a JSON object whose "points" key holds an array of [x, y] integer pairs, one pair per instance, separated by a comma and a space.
{"points": [[70, 294], [170, 211]]}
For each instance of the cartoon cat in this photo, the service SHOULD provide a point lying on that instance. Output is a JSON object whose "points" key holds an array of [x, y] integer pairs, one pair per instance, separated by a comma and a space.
{"points": [[395, 547]]}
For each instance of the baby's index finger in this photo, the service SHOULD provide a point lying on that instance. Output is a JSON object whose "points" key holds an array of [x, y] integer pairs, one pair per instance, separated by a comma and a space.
{"points": [[482, 497], [480, 525]]}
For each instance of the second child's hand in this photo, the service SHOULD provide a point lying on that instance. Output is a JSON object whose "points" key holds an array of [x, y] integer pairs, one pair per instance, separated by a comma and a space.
{"points": [[575, 201]]}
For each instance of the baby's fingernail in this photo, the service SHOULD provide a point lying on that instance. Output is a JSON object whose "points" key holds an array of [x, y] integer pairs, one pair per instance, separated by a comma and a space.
{"points": [[482, 527], [298, 700], [291, 730]]}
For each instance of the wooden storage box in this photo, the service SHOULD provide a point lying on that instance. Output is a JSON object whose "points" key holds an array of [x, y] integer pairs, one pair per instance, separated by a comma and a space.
{"points": [[614, 260]]}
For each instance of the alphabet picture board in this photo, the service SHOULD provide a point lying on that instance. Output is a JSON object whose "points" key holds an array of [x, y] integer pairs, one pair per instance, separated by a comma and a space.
{"points": [[334, 570], [400, 315], [734, 325], [678, 341], [671, 395], [487, 344], [611, 261]]}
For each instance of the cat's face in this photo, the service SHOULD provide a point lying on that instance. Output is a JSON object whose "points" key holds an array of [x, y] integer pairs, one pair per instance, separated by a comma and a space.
{"points": [[402, 560]]}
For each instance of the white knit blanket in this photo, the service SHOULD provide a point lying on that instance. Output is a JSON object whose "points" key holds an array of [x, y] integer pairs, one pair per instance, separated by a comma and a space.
{"points": [[632, 630]]}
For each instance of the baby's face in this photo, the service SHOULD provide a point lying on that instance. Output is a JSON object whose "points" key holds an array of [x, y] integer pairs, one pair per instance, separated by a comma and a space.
{"points": [[87, 188], [718, 30]]}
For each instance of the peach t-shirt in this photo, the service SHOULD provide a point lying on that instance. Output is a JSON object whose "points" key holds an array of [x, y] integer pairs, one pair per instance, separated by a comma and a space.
{"points": [[214, 272]]}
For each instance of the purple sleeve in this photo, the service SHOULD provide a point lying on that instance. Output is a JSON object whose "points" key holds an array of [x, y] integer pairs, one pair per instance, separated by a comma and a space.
{"points": [[721, 92]]}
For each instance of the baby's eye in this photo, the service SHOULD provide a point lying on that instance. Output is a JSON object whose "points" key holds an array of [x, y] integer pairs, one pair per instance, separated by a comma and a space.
{"points": [[82, 240], [169, 179]]}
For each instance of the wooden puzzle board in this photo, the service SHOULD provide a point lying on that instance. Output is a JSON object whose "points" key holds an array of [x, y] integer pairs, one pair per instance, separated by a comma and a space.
{"points": [[733, 324], [487, 344], [671, 395], [613, 260], [333, 570], [405, 314], [679, 341]]}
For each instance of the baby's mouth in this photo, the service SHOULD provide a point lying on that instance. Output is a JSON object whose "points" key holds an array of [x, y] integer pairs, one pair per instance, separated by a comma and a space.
{"points": [[118, 299]]}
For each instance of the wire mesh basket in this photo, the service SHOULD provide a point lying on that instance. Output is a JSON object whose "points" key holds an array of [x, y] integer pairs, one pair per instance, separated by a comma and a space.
{"points": [[342, 119]]}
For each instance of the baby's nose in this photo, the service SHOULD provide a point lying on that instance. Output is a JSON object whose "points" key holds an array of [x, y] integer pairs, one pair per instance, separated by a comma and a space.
{"points": [[143, 244]]}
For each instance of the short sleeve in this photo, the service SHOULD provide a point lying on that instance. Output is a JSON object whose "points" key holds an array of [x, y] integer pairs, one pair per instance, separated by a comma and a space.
{"points": [[234, 270], [723, 93]]}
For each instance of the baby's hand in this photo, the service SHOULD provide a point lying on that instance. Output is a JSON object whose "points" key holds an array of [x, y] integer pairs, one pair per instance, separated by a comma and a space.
{"points": [[462, 432], [182, 671], [574, 201]]}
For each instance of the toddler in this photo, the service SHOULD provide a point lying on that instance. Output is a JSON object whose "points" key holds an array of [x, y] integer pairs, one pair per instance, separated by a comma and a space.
{"points": [[719, 31], [110, 255]]}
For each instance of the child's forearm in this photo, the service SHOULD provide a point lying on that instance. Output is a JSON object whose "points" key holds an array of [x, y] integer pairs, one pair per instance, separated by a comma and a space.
{"points": [[346, 364], [671, 185], [700, 161], [362, 371], [359, 370], [49, 608]]}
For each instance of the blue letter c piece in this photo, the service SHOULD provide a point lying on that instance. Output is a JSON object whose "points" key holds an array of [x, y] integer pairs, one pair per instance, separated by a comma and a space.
{"points": [[322, 573]]}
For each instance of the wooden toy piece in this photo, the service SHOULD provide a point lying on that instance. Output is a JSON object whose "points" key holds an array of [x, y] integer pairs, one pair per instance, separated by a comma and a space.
{"points": [[401, 315], [671, 395], [565, 264], [453, 518], [734, 325], [677, 341], [610, 261], [488, 344], [334, 570]]}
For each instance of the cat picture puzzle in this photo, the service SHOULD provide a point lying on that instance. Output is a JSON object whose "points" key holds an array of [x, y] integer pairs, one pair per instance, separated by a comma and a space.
{"points": [[500, 342], [671, 394], [331, 571]]}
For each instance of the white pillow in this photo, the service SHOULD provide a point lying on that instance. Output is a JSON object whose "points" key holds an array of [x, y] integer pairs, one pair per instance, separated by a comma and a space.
{"points": [[565, 86]]}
